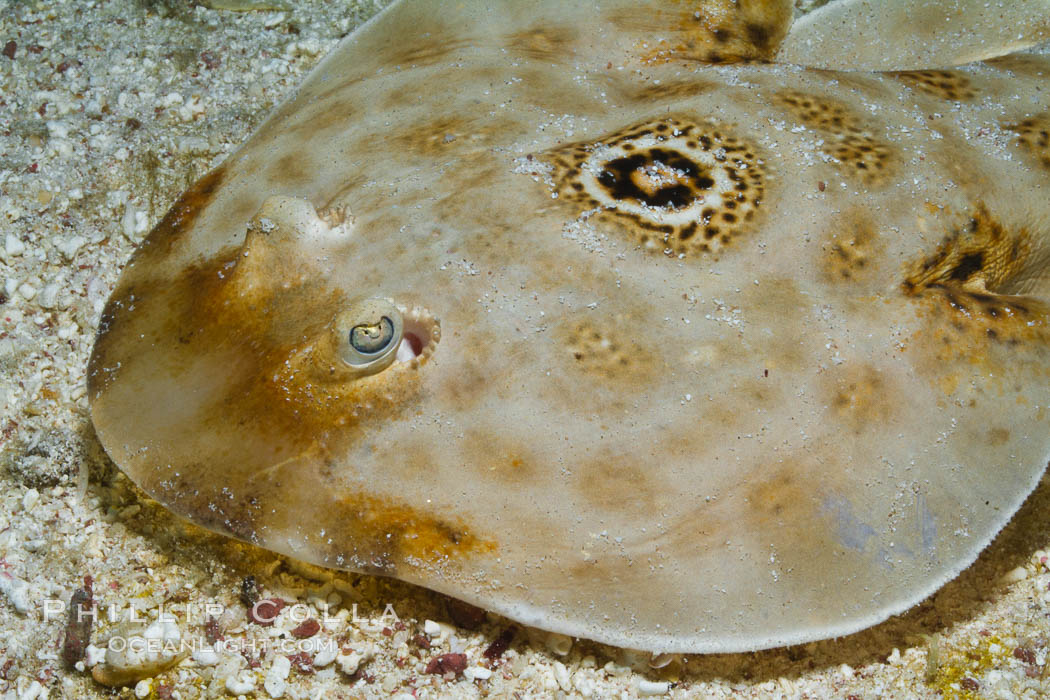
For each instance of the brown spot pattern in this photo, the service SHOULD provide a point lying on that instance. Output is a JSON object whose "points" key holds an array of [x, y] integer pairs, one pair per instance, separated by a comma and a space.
{"points": [[669, 90], [1021, 64], [850, 252], [860, 154], [545, 42], [975, 288], [601, 353], [715, 31], [434, 137], [967, 333], [982, 257], [778, 494], [672, 185], [309, 120], [859, 397], [386, 533], [998, 436], [787, 500], [429, 49], [602, 481], [1033, 135], [493, 454], [950, 85], [724, 412], [291, 168], [442, 135]]}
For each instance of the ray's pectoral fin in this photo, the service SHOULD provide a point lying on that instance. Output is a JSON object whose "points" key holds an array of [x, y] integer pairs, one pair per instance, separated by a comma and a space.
{"points": [[888, 35], [711, 31]]}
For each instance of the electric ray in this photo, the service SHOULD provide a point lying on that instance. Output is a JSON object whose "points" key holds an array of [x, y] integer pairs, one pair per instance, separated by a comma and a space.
{"points": [[600, 316]]}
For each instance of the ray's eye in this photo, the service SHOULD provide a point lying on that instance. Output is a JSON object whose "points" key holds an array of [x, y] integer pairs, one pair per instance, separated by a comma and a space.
{"points": [[368, 335], [370, 338]]}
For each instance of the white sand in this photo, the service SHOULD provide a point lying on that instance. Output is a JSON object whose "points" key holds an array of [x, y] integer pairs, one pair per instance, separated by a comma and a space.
{"points": [[108, 109]]}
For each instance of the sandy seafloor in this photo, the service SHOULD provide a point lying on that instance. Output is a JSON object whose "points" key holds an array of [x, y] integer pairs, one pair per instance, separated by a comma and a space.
{"points": [[108, 109]]}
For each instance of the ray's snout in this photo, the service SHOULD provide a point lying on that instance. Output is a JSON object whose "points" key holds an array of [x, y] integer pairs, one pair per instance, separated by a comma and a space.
{"points": [[262, 363]]}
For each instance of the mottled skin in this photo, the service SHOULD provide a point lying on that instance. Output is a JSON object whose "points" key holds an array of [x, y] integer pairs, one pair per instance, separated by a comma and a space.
{"points": [[709, 357]]}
